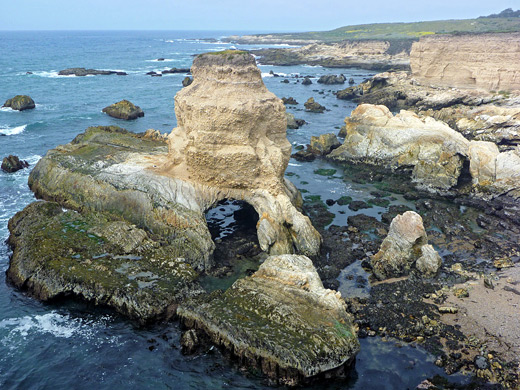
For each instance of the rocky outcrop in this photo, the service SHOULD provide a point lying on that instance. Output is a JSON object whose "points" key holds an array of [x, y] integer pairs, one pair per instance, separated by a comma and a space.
{"points": [[289, 101], [100, 259], [12, 164], [483, 61], [324, 143], [124, 110], [81, 72], [313, 106], [280, 320], [405, 246], [221, 150], [292, 122], [306, 81], [176, 70], [20, 103], [331, 79], [365, 54], [433, 150]]}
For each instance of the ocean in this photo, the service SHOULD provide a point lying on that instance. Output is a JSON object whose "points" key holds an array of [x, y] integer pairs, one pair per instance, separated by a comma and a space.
{"points": [[72, 345]]}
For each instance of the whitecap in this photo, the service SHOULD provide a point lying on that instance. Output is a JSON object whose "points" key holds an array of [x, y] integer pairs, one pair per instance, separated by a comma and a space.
{"points": [[51, 323], [50, 74], [295, 165], [6, 130]]}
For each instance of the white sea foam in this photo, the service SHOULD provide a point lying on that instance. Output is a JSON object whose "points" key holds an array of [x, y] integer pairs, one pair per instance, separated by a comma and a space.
{"points": [[295, 165], [6, 130]]}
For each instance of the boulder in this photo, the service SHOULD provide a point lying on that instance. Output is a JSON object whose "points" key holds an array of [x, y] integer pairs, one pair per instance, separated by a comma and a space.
{"points": [[97, 258], [312, 106], [331, 79], [292, 122], [12, 164], [289, 101], [124, 110], [281, 320], [187, 81], [306, 81], [20, 103], [434, 151], [351, 81], [324, 144], [405, 246]]}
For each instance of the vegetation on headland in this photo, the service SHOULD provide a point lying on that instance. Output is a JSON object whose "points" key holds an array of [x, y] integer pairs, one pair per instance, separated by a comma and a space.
{"points": [[409, 31]]}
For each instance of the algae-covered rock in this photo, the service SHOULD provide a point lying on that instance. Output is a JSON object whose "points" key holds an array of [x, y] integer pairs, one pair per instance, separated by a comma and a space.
{"points": [[20, 103], [313, 106], [405, 246], [58, 253], [12, 164], [280, 320], [331, 79], [124, 110]]}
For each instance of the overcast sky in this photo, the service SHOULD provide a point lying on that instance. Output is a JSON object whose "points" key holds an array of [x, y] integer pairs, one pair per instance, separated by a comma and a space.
{"points": [[251, 15]]}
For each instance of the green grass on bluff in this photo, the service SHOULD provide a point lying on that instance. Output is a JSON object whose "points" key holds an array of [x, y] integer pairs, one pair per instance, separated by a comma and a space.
{"points": [[408, 31]]}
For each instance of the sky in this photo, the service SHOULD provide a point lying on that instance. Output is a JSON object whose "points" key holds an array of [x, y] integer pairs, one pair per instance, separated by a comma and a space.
{"points": [[239, 15]]}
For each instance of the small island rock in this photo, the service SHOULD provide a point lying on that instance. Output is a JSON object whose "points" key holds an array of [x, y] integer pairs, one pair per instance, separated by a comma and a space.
{"points": [[124, 110], [20, 103], [312, 106], [12, 164]]}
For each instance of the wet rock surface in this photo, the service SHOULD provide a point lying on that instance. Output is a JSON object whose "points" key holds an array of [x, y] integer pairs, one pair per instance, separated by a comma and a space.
{"points": [[313, 106], [12, 164], [124, 110], [105, 261], [81, 72], [264, 319], [20, 103]]}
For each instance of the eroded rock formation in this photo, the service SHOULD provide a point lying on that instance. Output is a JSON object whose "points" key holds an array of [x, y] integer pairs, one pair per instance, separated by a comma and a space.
{"points": [[435, 152], [405, 246], [265, 319], [486, 61]]}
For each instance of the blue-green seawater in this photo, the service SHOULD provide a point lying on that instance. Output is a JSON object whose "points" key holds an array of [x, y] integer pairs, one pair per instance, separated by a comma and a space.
{"points": [[75, 346]]}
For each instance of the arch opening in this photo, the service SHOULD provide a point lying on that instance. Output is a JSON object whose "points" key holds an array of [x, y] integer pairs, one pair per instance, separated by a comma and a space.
{"points": [[232, 224]]}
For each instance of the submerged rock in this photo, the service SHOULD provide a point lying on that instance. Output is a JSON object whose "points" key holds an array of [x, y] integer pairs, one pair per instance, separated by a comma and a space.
{"points": [[12, 164], [405, 246], [312, 106], [110, 262], [331, 79], [124, 110], [20, 103], [280, 320]]}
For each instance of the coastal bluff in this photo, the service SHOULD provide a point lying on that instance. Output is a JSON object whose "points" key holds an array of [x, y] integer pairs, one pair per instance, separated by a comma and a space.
{"points": [[483, 61]]}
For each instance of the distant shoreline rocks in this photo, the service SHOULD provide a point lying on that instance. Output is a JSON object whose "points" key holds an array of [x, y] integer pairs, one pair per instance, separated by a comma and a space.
{"points": [[124, 110], [81, 72], [20, 103]]}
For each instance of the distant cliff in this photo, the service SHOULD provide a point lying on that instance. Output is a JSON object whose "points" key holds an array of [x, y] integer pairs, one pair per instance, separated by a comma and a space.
{"points": [[368, 54], [484, 61]]}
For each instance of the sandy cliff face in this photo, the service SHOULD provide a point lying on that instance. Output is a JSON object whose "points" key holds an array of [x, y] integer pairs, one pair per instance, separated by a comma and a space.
{"points": [[231, 130], [485, 61]]}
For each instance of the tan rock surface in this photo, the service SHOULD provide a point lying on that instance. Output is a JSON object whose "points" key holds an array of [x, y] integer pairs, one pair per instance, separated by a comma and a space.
{"points": [[485, 61], [376, 136], [405, 244]]}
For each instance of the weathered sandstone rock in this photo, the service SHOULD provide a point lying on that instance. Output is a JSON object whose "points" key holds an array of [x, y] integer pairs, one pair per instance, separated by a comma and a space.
{"points": [[12, 164], [405, 246], [20, 103], [230, 144], [97, 258], [124, 110], [433, 149], [280, 320], [324, 143], [486, 61]]}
